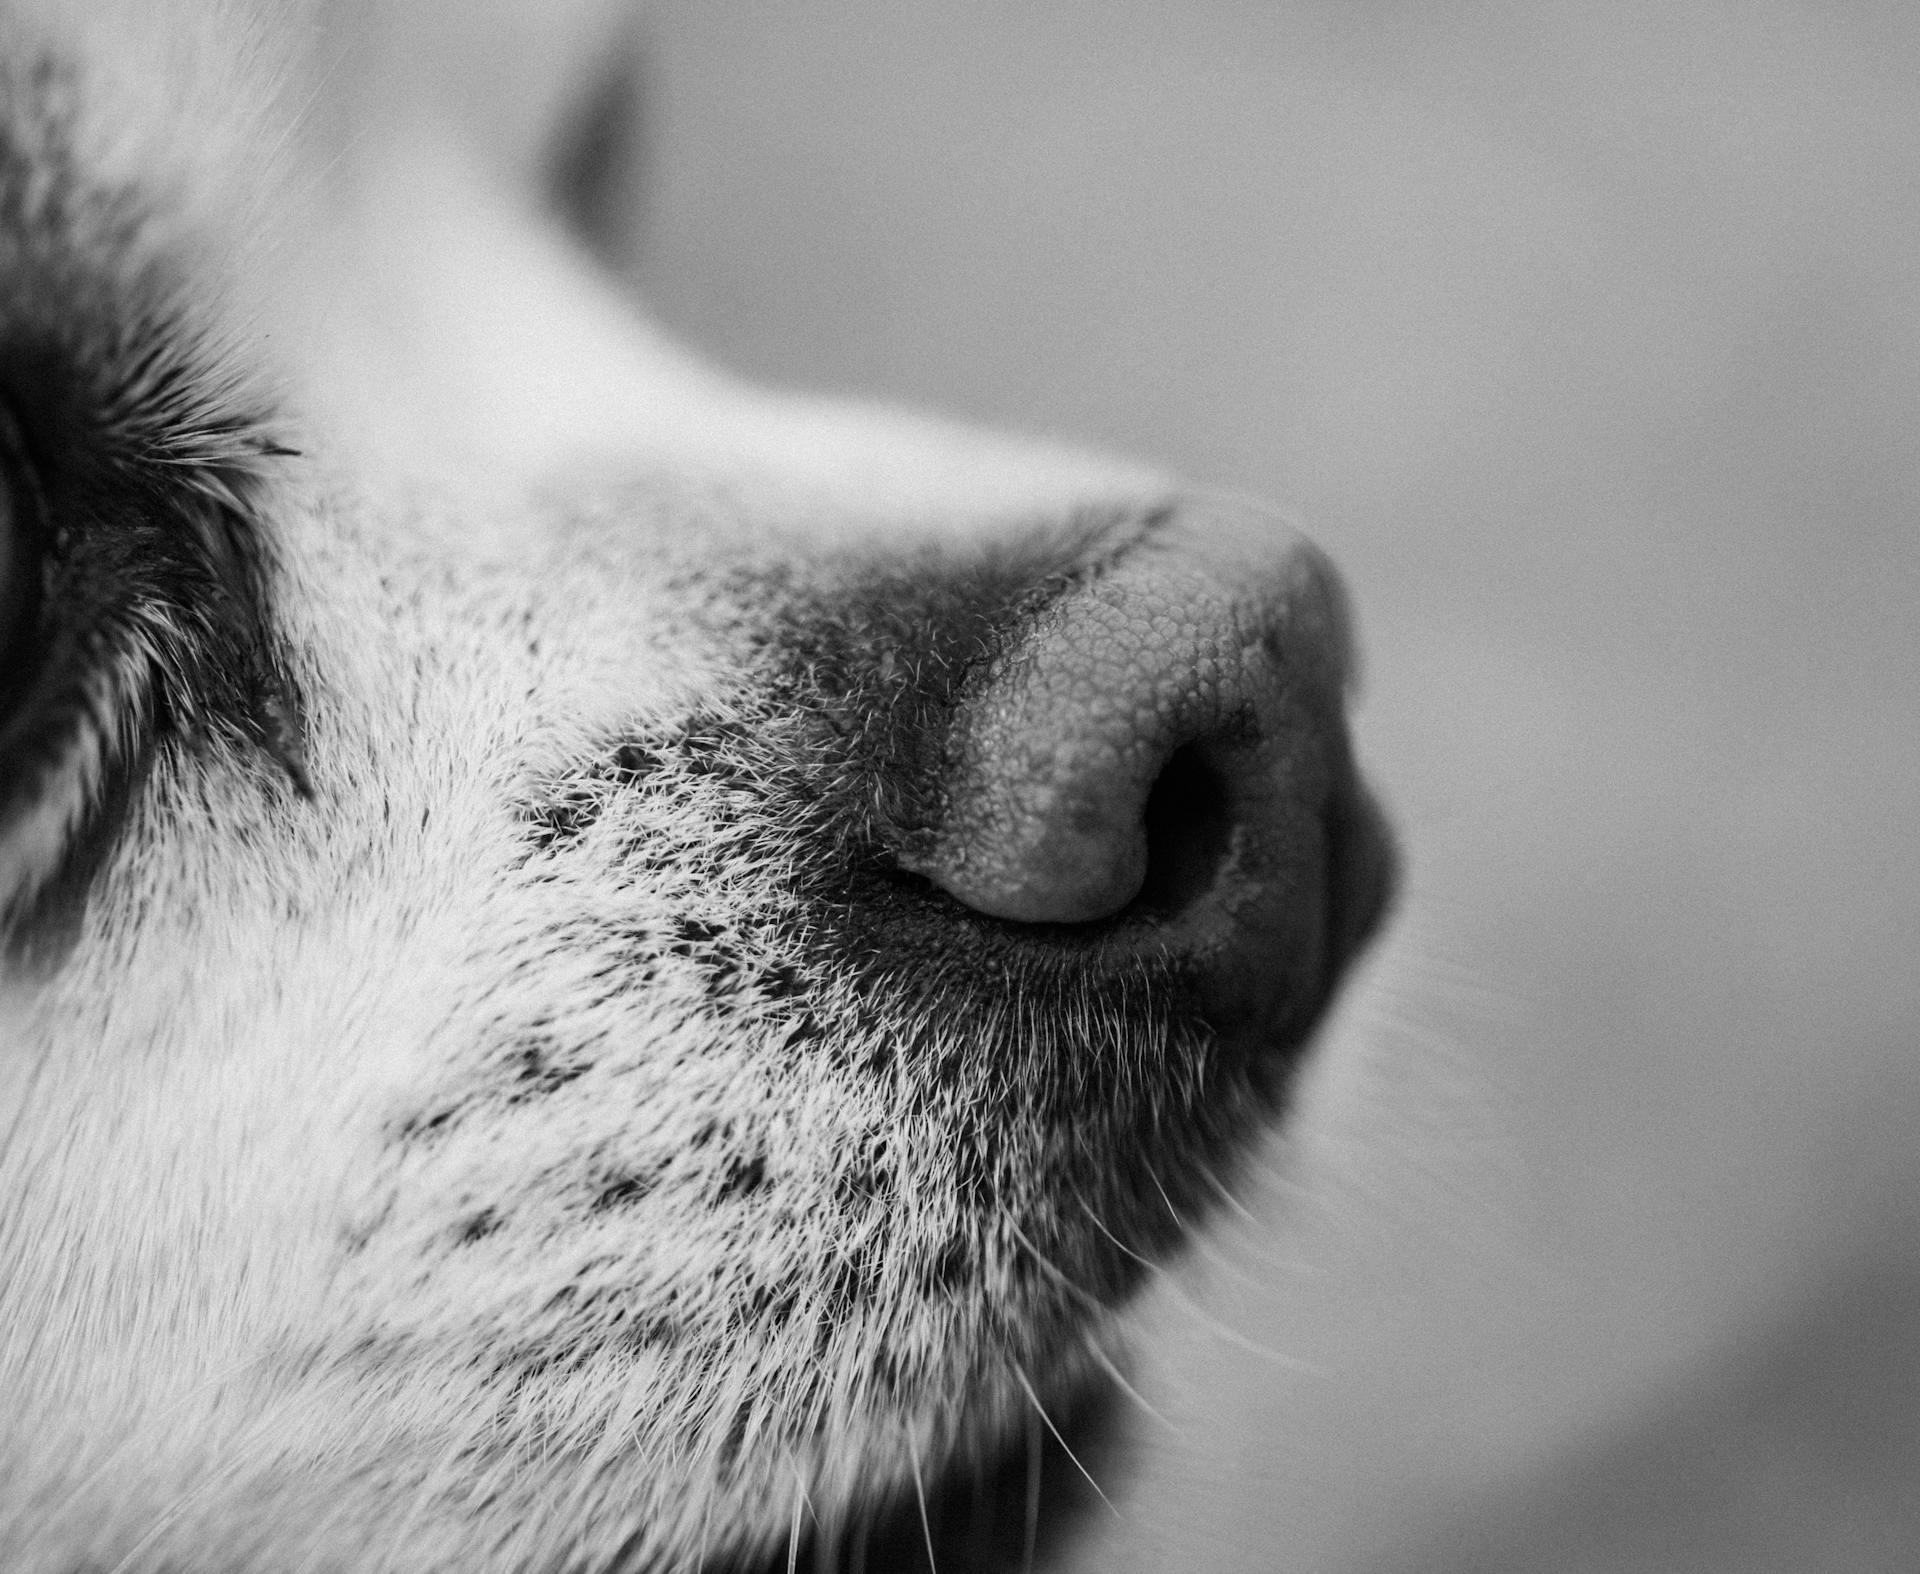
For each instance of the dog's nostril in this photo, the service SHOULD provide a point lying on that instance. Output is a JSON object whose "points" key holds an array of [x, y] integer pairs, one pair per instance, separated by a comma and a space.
{"points": [[1189, 827]]}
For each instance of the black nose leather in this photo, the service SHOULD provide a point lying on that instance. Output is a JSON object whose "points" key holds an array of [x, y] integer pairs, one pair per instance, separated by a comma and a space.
{"points": [[1166, 742]]}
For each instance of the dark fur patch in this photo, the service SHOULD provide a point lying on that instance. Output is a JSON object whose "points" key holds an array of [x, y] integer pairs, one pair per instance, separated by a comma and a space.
{"points": [[1073, 1065], [476, 1227], [743, 1177], [623, 1192]]}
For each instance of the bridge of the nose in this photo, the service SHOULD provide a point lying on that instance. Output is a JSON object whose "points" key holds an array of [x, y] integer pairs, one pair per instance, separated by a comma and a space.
{"points": [[1220, 638]]}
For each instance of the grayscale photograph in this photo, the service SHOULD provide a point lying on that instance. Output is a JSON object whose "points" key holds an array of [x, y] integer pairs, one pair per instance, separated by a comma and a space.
{"points": [[889, 787]]}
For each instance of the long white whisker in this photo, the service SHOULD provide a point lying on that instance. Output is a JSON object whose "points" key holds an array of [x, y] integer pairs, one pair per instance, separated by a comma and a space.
{"points": [[920, 1494], [793, 1535], [1212, 1324], [1238, 1340], [1226, 1195], [1175, 1212], [1112, 1370], [1034, 1400], [1200, 1243], [1100, 1224]]}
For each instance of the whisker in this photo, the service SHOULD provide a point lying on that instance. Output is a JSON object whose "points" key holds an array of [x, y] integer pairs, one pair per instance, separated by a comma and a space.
{"points": [[920, 1494], [1112, 1370], [1034, 1400], [1238, 1340], [1236, 1258], [1240, 1263], [1226, 1195], [1192, 1308], [1202, 1243], [1173, 1211], [793, 1535], [175, 1511], [1100, 1224], [827, 1535], [1041, 1258]]}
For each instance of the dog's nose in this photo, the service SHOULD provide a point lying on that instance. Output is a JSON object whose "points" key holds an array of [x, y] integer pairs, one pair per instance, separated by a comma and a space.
{"points": [[1167, 741]]}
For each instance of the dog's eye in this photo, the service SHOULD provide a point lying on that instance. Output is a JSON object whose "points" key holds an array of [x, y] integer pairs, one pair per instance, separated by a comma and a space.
{"points": [[21, 542], [10, 569]]}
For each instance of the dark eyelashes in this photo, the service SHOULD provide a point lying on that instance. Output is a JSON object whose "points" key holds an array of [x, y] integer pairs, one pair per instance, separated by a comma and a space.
{"points": [[135, 606], [23, 544], [33, 717]]}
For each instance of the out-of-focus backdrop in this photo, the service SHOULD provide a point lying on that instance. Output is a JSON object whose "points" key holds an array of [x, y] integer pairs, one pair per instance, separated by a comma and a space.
{"points": [[1588, 339]]}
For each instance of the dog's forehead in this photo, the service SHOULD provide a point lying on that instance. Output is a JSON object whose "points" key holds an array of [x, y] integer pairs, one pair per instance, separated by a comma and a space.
{"points": [[251, 124], [258, 127], [168, 97]]}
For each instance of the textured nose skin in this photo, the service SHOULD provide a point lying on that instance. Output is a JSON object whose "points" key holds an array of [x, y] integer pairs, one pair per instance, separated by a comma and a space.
{"points": [[1168, 731]]}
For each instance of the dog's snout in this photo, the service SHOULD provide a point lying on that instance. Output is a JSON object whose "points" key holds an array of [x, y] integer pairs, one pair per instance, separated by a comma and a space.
{"points": [[1167, 742]]}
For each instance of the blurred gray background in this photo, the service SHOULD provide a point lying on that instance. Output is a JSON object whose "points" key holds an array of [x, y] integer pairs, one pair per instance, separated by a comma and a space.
{"points": [[1585, 337]]}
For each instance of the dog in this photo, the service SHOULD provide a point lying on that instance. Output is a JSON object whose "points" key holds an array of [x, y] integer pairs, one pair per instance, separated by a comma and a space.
{"points": [[604, 970]]}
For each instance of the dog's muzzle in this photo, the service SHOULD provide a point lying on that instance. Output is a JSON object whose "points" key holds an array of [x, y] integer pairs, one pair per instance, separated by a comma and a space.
{"points": [[1161, 760]]}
